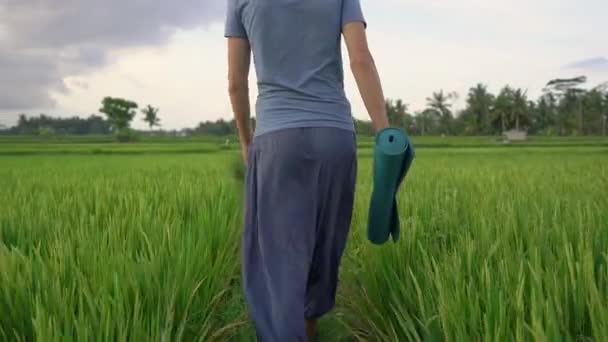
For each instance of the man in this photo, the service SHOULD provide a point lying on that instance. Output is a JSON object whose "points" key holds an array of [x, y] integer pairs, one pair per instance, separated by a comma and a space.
{"points": [[302, 160]]}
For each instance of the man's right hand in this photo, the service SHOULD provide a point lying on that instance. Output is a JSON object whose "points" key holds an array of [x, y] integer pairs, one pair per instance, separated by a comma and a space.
{"points": [[245, 152]]}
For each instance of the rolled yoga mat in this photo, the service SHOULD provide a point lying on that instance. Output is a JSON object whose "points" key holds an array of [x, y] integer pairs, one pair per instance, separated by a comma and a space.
{"points": [[393, 156]]}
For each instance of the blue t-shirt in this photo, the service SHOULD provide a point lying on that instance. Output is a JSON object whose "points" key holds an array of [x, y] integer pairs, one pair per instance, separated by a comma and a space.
{"points": [[296, 47]]}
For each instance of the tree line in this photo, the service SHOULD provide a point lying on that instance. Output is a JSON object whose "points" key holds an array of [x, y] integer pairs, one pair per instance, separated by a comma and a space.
{"points": [[48, 125], [564, 108], [119, 113]]}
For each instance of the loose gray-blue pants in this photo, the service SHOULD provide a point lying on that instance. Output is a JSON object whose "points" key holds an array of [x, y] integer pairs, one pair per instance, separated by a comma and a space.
{"points": [[299, 191]]}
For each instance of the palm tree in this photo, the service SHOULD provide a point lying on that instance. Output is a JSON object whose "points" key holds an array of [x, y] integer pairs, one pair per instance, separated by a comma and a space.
{"points": [[480, 103], [602, 89], [439, 104], [568, 89], [568, 107], [400, 107], [396, 112], [549, 113], [151, 116], [520, 107], [426, 120], [503, 107]]}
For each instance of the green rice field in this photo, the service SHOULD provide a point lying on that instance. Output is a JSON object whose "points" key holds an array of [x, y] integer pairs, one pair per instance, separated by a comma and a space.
{"points": [[102, 241]]}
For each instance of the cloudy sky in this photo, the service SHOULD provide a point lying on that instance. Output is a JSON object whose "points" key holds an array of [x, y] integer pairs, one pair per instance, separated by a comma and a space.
{"points": [[63, 56]]}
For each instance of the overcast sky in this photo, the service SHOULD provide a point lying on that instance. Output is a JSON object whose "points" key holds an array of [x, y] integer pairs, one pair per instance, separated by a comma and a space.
{"points": [[62, 57]]}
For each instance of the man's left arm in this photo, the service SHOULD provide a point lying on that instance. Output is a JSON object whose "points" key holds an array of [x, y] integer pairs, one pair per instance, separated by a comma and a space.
{"points": [[239, 59]]}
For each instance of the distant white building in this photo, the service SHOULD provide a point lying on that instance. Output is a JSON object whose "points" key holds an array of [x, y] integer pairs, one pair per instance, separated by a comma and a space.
{"points": [[515, 135]]}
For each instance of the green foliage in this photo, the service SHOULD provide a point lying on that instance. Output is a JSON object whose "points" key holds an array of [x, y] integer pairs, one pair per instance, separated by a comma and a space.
{"points": [[480, 103], [511, 110], [520, 109], [151, 116], [146, 247], [503, 108], [439, 107], [46, 132], [565, 109], [111, 249], [398, 116], [570, 93], [239, 169], [543, 120], [127, 135], [426, 122], [364, 128], [120, 113], [61, 126], [160, 145], [397, 113], [528, 262], [220, 127]]}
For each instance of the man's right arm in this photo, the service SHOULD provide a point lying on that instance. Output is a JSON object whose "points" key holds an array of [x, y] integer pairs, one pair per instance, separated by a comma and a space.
{"points": [[365, 73]]}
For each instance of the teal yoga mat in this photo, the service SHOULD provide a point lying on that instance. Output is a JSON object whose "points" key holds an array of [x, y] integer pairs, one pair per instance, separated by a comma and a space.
{"points": [[393, 156]]}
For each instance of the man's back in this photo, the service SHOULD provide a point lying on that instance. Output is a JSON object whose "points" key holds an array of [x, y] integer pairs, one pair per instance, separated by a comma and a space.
{"points": [[302, 166], [296, 46]]}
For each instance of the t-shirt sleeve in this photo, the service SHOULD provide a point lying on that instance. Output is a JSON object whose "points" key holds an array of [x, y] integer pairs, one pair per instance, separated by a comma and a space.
{"points": [[351, 11], [234, 25]]}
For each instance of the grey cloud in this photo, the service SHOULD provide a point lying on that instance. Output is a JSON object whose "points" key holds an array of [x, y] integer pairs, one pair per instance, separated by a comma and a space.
{"points": [[25, 79], [591, 64], [91, 56], [43, 41]]}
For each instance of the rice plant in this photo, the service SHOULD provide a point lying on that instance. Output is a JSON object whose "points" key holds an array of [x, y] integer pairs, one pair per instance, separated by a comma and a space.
{"points": [[116, 249], [499, 244]]}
